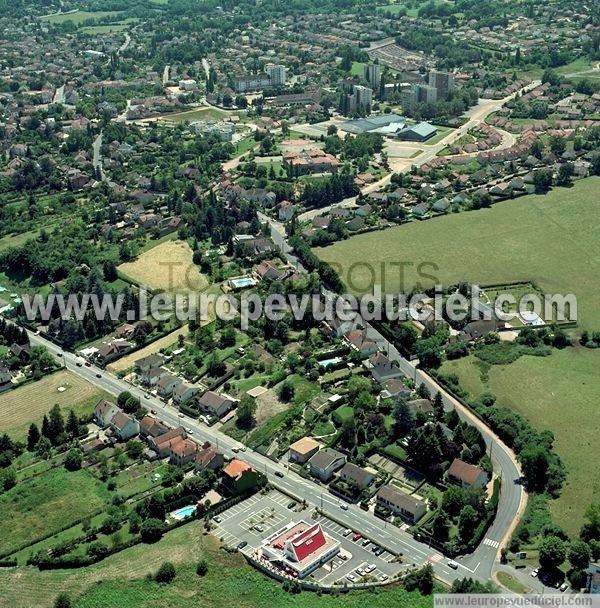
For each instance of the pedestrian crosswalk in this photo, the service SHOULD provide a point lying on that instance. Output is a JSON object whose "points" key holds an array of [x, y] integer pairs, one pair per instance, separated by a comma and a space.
{"points": [[491, 543]]}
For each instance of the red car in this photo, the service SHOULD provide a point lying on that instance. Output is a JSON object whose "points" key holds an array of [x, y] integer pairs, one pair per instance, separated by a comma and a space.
{"points": [[356, 536]]}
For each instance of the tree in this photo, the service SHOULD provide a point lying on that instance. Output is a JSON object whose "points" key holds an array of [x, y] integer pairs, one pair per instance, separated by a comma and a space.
{"points": [[286, 392], [56, 425], [552, 552], [246, 412], [151, 530], [542, 180], [33, 436], [43, 448], [421, 580], [453, 500], [535, 463], [438, 406], [202, 567], [134, 449], [166, 573], [72, 424], [73, 459], [579, 555], [565, 173], [62, 601], [467, 522], [558, 144], [403, 418]]}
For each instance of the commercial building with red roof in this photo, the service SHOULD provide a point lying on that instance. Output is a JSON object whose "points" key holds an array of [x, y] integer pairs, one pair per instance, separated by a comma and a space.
{"points": [[299, 548]]}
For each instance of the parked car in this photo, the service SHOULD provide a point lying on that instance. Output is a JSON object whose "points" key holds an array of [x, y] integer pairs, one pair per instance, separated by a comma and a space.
{"points": [[347, 532], [242, 544], [291, 504], [356, 536], [351, 578], [360, 571], [564, 587], [370, 568], [217, 519], [535, 572], [383, 577]]}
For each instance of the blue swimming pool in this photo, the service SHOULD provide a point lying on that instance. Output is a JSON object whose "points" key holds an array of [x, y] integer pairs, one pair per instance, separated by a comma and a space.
{"points": [[184, 512], [243, 282]]}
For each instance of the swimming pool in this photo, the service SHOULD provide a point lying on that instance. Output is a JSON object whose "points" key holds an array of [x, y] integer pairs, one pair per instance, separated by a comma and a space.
{"points": [[242, 282], [327, 362], [184, 512]]}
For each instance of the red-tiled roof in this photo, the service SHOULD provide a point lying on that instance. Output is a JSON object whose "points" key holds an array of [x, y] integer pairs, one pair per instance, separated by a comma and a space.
{"points": [[307, 542]]}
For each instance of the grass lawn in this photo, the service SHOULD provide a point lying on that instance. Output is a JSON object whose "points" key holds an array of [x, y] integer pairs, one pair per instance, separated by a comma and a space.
{"points": [[357, 68], [559, 392], [18, 239], [441, 133], [38, 506], [550, 240], [28, 403], [78, 16], [165, 267], [192, 115], [512, 583], [118, 582]]}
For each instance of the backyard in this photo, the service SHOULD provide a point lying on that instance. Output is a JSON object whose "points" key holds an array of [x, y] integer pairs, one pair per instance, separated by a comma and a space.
{"points": [[550, 240], [560, 393]]}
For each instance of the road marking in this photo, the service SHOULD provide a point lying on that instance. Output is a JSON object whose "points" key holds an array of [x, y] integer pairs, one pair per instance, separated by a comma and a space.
{"points": [[491, 543]]}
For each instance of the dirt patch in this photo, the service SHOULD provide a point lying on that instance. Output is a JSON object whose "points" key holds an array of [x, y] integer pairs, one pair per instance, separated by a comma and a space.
{"points": [[267, 406]]}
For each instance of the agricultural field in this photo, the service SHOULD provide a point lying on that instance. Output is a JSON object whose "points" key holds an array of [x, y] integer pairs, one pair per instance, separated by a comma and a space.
{"points": [[559, 393], [166, 267], [127, 361], [47, 503], [550, 240], [119, 581], [28, 403]]}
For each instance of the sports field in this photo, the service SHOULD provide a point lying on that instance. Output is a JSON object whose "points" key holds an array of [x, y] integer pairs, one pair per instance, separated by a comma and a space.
{"points": [[27, 404], [559, 392], [78, 16], [167, 267], [551, 240]]}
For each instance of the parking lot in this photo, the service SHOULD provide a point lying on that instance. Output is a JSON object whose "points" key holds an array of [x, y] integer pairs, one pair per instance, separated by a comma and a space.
{"points": [[246, 524]]}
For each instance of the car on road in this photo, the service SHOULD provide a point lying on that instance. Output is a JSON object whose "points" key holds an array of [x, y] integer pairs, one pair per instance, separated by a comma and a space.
{"points": [[278, 474], [78, 364], [343, 506], [242, 545], [535, 572], [242, 448], [356, 536], [453, 564], [146, 396], [217, 519], [59, 354], [189, 431], [153, 412], [347, 532], [180, 415], [98, 375], [235, 450], [351, 578], [563, 587], [291, 504]]}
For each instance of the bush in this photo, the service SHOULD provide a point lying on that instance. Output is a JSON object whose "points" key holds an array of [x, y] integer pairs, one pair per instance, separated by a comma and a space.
{"points": [[62, 601], [202, 568], [166, 573], [73, 459]]}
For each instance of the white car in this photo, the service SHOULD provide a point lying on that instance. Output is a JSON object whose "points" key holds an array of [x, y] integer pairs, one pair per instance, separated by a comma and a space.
{"points": [[360, 571], [534, 573], [343, 506], [453, 564], [351, 578], [347, 532], [563, 587], [180, 415], [383, 577], [217, 519], [370, 568]]}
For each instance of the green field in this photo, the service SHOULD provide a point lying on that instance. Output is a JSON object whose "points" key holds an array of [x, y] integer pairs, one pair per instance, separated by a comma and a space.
{"points": [[38, 506], [118, 582], [78, 16], [192, 115], [559, 392], [550, 240]]}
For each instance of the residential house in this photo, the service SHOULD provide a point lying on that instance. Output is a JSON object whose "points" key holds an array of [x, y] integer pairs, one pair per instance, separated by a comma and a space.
{"points": [[359, 341], [337, 328], [303, 449], [409, 508], [213, 404], [182, 451], [421, 405], [420, 210], [124, 426], [104, 413], [183, 392], [478, 329], [239, 476], [286, 211], [161, 444], [166, 384], [356, 475], [5, 378], [382, 368], [209, 457], [151, 427], [325, 463], [112, 350], [153, 375], [145, 363], [593, 578], [394, 387], [466, 475]]}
